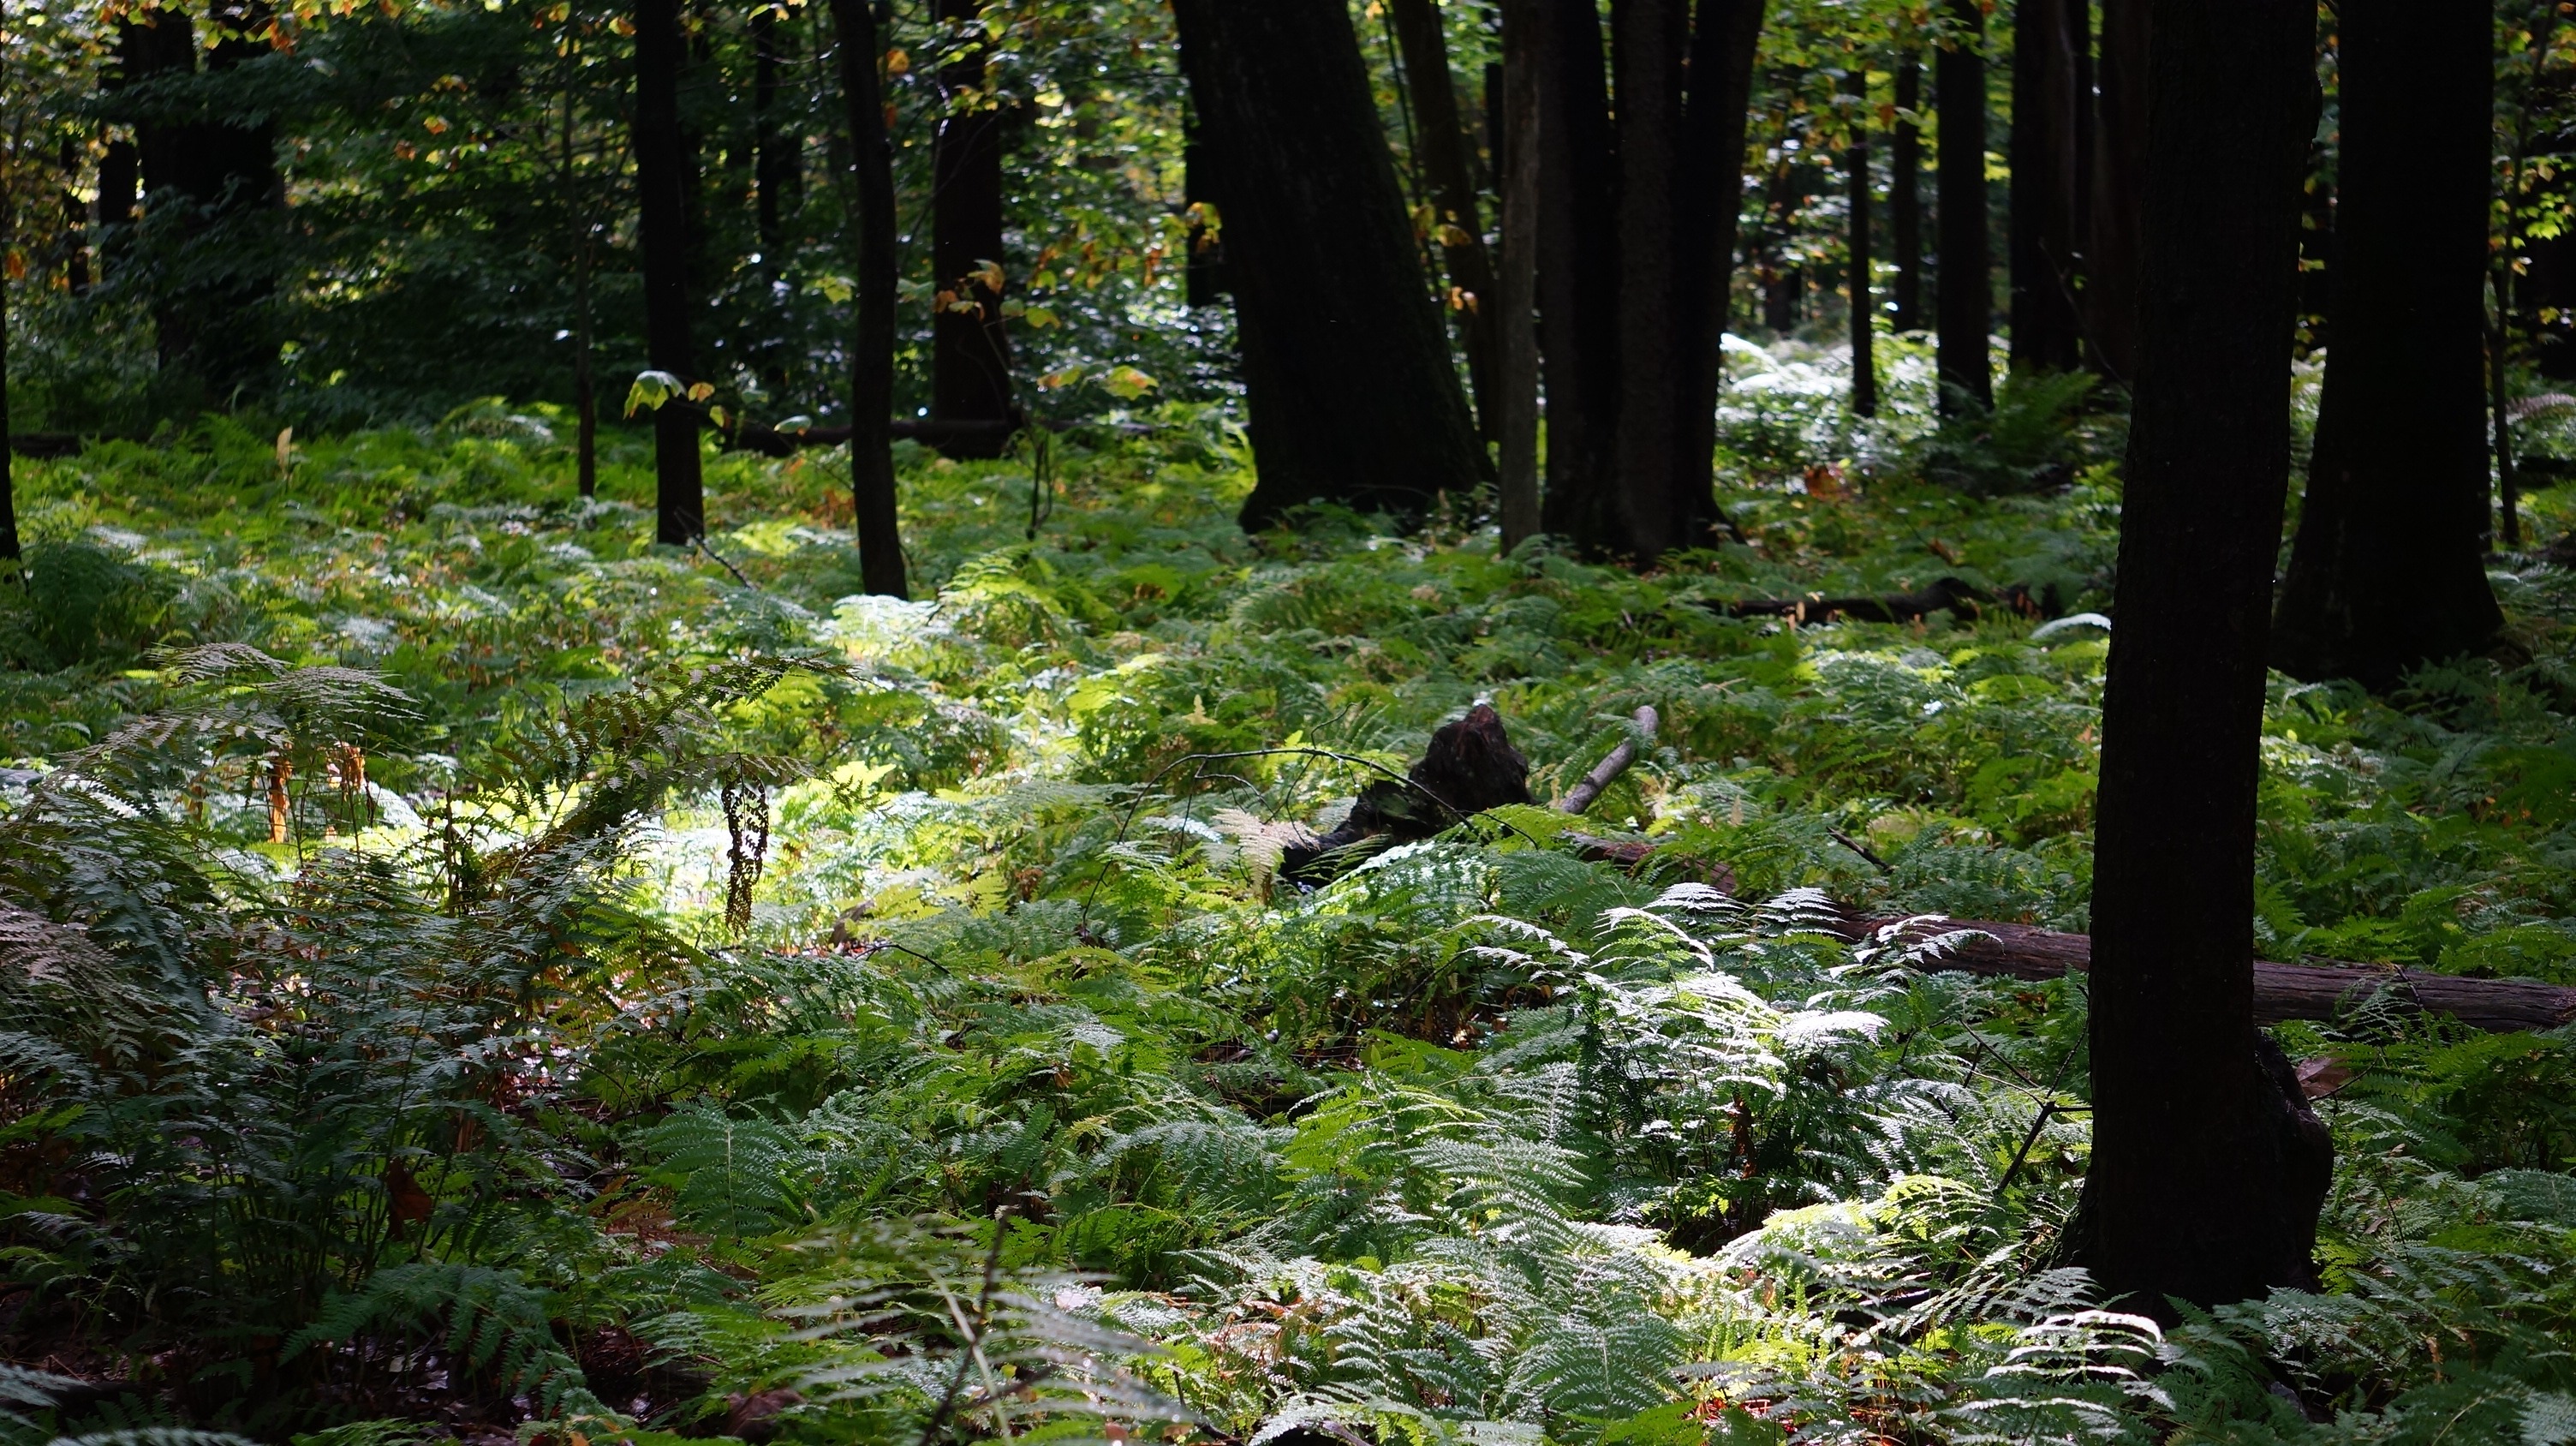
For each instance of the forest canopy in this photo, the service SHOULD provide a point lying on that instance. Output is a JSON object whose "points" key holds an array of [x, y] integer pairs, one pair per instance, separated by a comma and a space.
{"points": [[1672, 722]]}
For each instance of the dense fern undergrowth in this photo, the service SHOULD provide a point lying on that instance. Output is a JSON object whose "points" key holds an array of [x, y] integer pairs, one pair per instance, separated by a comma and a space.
{"points": [[467, 973]]}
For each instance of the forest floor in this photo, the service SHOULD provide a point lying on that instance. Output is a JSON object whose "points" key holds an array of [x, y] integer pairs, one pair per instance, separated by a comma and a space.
{"points": [[663, 992]]}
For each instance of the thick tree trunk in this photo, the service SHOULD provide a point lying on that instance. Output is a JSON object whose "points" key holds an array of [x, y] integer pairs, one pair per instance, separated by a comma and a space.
{"points": [[1964, 302], [2048, 38], [1724, 37], [662, 172], [970, 357], [1647, 41], [1578, 251], [2205, 1179], [2386, 571], [1346, 367], [2117, 221], [1203, 277], [1441, 142], [872, 494], [1636, 256], [1516, 154], [778, 183], [211, 319], [1864, 305], [1905, 195]]}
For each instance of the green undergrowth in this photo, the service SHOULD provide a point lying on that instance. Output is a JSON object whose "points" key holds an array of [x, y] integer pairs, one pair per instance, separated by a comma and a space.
{"points": [[690, 998]]}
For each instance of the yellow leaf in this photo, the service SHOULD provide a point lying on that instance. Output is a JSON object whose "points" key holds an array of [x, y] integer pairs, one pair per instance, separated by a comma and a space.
{"points": [[897, 62], [700, 391], [1127, 384]]}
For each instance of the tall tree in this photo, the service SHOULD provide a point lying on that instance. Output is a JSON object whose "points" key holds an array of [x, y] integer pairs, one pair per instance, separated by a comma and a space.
{"points": [[1578, 267], [1346, 365], [1905, 194], [662, 174], [1964, 302], [8, 482], [1516, 285], [1440, 141], [872, 496], [219, 163], [1864, 305], [1724, 38], [2207, 1169], [2386, 570], [2050, 37], [970, 356], [778, 182], [1636, 253], [2115, 221]]}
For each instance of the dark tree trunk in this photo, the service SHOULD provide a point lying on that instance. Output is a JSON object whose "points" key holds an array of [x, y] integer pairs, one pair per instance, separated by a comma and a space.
{"points": [[2207, 1170], [1964, 301], [662, 172], [585, 399], [75, 238], [1647, 42], [212, 318], [1709, 203], [2386, 570], [1864, 307], [8, 482], [1515, 309], [872, 497], [1203, 276], [2117, 220], [1636, 254], [1346, 368], [1578, 269], [2048, 36], [1905, 195], [970, 356], [778, 183], [1441, 142]]}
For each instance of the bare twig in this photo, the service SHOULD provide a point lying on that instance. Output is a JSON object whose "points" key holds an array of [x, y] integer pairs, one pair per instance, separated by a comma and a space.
{"points": [[1607, 771]]}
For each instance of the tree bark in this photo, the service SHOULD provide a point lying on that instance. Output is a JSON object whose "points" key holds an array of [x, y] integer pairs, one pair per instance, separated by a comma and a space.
{"points": [[1647, 42], [9, 551], [1636, 256], [1864, 306], [970, 357], [2205, 1179], [1725, 35], [2386, 572], [1442, 143], [1516, 156], [872, 490], [1346, 365], [1964, 301], [1905, 195], [662, 172], [1578, 263], [1203, 277], [2117, 221], [777, 180], [585, 398], [2048, 36], [210, 319]]}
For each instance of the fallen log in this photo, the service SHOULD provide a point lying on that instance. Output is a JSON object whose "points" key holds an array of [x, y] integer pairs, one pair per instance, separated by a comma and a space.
{"points": [[2281, 991], [1949, 594], [1470, 765]]}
